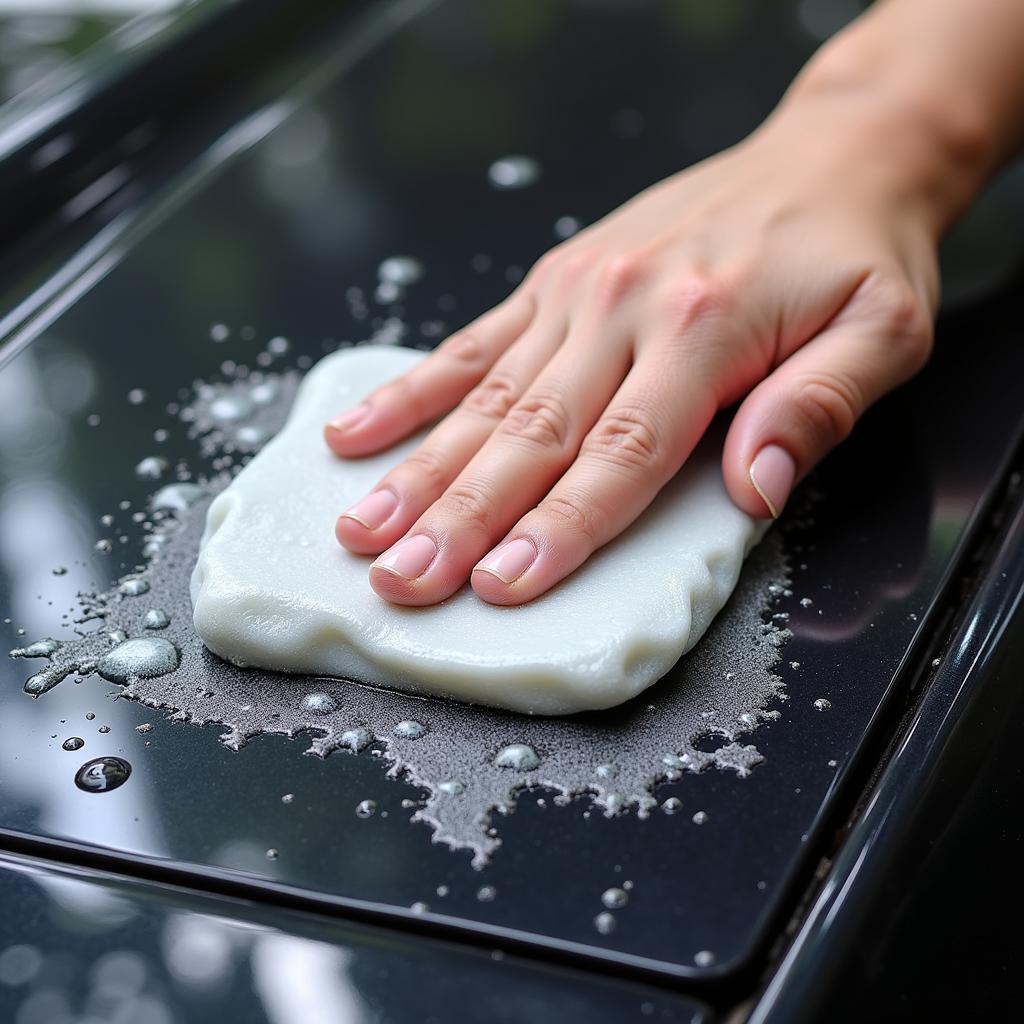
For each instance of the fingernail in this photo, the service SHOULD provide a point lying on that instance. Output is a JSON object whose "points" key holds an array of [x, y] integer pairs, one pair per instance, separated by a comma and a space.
{"points": [[350, 419], [510, 561], [772, 473], [409, 558], [374, 510]]}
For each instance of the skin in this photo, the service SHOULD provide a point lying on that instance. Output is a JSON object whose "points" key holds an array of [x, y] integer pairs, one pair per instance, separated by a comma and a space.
{"points": [[793, 276]]}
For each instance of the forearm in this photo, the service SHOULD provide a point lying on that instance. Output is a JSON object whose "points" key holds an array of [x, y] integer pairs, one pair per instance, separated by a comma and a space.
{"points": [[936, 86]]}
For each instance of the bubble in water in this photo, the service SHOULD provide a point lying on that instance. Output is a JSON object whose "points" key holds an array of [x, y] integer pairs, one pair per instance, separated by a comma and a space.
{"points": [[566, 227], [230, 408], [442, 891], [151, 468], [614, 898], [133, 586], [141, 658], [156, 618], [672, 805], [219, 332], [366, 808], [512, 172], [136, 396], [40, 649], [160, 435], [705, 958], [177, 497], [700, 818], [452, 787], [103, 774], [605, 923], [822, 704], [486, 893], [410, 730], [319, 703], [519, 756], [278, 346], [400, 270], [73, 743], [355, 740]]}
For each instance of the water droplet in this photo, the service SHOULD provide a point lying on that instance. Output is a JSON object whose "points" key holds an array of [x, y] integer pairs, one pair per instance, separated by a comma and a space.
{"points": [[90, 715], [400, 270], [419, 907], [606, 771], [833, 763], [160, 435], [566, 227], [104, 729], [287, 798], [60, 570], [104, 546], [144, 728], [519, 756], [141, 658], [73, 743], [705, 958], [219, 332], [319, 703], [936, 662], [133, 586], [252, 436], [511, 172], [230, 408], [451, 787], [136, 396], [605, 923], [156, 618], [614, 898], [264, 393], [103, 774], [806, 602], [278, 346], [410, 730], [46, 680], [700, 818], [672, 805], [177, 497], [794, 664], [486, 893], [40, 649], [366, 808], [355, 740], [272, 853], [442, 891], [151, 468], [93, 420], [822, 704]]}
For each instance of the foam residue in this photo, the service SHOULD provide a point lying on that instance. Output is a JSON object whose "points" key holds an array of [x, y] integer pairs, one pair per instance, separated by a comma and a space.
{"points": [[470, 761]]}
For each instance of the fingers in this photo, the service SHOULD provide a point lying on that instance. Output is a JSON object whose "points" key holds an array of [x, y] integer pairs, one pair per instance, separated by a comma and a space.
{"points": [[400, 498], [434, 386], [524, 455], [812, 400], [644, 435]]}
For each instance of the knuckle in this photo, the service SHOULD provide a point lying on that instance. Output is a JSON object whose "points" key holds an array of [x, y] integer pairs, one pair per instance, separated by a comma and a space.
{"points": [[626, 438], [429, 466], [905, 318], [828, 405], [540, 419], [573, 513], [617, 276], [493, 397], [466, 348], [547, 266], [467, 500], [698, 299]]}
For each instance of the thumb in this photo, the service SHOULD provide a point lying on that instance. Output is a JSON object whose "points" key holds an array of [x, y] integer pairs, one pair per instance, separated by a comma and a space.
{"points": [[812, 400]]}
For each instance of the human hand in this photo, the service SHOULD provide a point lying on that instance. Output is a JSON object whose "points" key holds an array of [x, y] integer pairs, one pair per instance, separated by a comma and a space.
{"points": [[796, 271]]}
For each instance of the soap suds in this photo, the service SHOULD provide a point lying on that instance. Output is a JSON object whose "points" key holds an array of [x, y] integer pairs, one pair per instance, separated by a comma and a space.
{"points": [[470, 761]]}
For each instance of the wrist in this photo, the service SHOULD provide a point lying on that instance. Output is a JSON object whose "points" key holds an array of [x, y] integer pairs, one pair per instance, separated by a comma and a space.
{"points": [[891, 126]]}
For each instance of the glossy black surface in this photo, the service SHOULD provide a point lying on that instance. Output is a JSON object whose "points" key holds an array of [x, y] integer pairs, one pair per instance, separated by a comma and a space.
{"points": [[919, 916], [390, 156], [93, 947]]}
